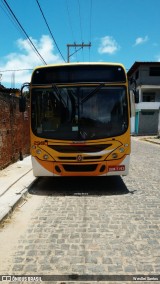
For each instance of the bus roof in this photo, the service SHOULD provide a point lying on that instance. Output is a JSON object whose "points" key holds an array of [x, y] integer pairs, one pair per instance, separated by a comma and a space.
{"points": [[80, 63], [81, 72]]}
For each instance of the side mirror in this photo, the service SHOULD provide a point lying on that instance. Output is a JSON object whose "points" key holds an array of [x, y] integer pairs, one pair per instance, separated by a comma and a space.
{"points": [[23, 97], [136, 94], [22, 104]]}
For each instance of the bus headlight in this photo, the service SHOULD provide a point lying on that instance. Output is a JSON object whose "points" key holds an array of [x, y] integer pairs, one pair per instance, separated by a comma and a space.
{"points": [[126, 145], [41, 154], [121, 150], [45, 157], [33, 147], [114, 155]]}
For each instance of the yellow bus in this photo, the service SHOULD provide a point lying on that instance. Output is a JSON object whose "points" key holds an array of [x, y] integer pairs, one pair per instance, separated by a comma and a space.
{"points": [[80, 120]]}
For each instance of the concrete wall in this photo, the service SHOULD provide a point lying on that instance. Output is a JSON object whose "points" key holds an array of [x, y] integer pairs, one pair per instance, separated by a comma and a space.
{"points": [[145, 78], [14, 130], [148, 122]]}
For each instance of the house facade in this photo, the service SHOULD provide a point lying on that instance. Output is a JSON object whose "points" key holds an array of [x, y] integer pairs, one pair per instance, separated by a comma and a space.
{"points": [[145, 77]]}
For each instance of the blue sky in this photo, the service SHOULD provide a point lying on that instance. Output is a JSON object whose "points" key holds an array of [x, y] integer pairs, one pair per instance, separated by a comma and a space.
{"points": [[119, 31]]}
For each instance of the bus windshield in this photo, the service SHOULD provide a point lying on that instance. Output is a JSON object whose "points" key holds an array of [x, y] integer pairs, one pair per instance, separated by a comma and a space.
{"points": [[79, 112]]}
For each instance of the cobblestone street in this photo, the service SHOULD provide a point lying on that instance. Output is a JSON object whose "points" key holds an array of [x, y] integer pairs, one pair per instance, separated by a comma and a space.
{"points": [[107, 225]]}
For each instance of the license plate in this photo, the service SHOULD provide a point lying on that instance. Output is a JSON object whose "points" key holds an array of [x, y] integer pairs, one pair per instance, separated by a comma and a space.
{"points": [[116, 168]]}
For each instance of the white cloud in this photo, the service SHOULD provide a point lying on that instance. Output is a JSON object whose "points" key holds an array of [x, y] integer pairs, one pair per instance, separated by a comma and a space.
{"points": [[158, 58], [26, 58], [141, 40], [108, 45]]}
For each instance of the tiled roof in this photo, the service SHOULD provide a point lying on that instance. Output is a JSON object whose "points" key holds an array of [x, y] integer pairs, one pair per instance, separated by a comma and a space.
{"points": [[8, 90]]}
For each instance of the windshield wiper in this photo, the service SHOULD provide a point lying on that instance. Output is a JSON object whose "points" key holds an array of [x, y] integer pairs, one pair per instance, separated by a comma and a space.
{"points": [[92, 92], [57, 91]]}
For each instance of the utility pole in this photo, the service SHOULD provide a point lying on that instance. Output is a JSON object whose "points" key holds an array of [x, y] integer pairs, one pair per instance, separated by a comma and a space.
{"points": [[81, 46], [13, 80]]}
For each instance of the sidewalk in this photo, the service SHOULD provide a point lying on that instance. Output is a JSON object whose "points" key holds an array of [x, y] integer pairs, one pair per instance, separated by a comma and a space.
{"points": [[151, 139], [14, 183]]}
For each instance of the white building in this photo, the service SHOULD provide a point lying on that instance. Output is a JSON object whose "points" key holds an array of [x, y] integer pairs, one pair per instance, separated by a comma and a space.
{"points": [[145, 116]]}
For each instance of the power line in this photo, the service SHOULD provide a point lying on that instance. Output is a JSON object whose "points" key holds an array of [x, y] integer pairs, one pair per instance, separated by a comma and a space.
{"points": [[70, 23], [81, 32], [21, 27], [80, 21], [50, 30], [90, 28], [9, 15], [15, 70], [90, 16]]}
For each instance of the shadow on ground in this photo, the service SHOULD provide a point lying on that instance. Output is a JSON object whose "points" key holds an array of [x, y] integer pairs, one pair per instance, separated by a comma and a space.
{"points": [[78, 186]]}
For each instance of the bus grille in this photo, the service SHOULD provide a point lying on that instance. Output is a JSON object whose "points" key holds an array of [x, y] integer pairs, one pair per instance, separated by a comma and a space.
{"points": [[80, 168], [84, 158], [79, 148]]}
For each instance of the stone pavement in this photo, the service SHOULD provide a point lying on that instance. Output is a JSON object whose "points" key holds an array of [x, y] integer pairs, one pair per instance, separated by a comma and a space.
{"points": [[104, 227], [95, 226]]}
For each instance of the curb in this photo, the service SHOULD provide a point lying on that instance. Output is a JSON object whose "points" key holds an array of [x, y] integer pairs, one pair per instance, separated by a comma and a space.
{"points": [[10, 199], [10, 209], [151, 141]]}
